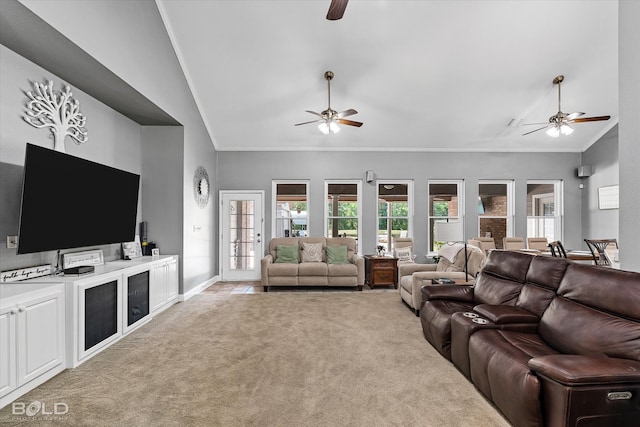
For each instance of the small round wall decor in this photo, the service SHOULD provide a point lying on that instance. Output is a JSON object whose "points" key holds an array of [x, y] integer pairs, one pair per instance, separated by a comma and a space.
{"points": [[201, 187]]}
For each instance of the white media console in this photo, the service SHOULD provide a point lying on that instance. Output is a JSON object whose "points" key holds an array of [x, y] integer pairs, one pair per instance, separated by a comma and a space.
{"points": [[76, 317]]}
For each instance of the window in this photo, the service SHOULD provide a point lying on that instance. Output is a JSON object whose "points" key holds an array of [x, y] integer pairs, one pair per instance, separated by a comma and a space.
{"points": [[495, 210], [291, 208], [445, 205], [394, 211], [343, 209], [544, 209]]}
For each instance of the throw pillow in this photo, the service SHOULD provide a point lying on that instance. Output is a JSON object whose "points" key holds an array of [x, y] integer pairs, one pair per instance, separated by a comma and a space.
{"points": [[336, 255], [287, 254], [404, 255], [311, 252]]}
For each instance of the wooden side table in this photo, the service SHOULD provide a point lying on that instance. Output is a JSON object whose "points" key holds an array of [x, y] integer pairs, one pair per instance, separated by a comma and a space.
{"points": [[380, 271]]}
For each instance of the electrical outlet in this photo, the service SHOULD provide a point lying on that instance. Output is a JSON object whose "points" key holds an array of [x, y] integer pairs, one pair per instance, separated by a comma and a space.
{"points": [[12, 242]]}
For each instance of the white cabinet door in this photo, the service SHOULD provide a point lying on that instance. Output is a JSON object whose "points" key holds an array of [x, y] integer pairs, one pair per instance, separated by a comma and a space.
{"points": [[8, 374], [40, 327], [32, 339], [158, 288], [164, 284], [172, 280]]}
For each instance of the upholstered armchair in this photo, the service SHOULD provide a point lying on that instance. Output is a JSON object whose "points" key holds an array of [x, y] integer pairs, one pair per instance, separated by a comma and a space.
{"points": [[513, 243], [538, 243], [451, 264], [487, 244]]}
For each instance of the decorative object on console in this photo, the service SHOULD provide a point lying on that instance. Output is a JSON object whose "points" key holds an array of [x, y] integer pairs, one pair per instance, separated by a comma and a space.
{"points": [[77, 259], [25, 273], [57, 111], [201, 187], [131, 250]]}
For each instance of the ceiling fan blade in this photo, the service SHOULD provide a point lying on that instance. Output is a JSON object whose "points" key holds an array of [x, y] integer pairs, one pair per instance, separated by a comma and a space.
{"points": [[349, 122], [306, 123], [336, 9], [345, 113], [575, 115], [536, 130], [314, 113], [590, 119], [532, 124]]}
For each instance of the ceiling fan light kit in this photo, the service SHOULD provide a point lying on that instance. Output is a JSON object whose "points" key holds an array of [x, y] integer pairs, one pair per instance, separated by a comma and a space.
{"points": [[558, 129], [560, 123], [330, 118]]}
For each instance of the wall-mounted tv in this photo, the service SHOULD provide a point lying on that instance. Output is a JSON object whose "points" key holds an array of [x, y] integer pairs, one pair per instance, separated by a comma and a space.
{"points": [[69, 202]]}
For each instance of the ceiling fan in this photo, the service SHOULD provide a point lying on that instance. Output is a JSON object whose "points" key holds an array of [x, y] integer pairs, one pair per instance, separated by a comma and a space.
{"points": [[329, 118], [336, 9], [560, 123]]}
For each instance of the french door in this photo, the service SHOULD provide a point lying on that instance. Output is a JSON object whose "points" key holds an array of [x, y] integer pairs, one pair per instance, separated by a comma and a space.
{"points": [[241, 234]]}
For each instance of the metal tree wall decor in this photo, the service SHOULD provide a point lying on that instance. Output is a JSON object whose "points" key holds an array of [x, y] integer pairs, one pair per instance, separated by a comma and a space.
{"points": [[58, 111]]}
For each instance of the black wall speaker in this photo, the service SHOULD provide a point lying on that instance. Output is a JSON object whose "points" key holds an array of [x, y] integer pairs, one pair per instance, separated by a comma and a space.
{"points": [[143, 231], [585, 171]]}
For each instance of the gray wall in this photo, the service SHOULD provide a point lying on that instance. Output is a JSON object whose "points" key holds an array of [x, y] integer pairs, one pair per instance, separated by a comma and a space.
{"points": [[603, 158], [114, 140], [629, 133], [130, 40], [162, 148], [255, 171]]}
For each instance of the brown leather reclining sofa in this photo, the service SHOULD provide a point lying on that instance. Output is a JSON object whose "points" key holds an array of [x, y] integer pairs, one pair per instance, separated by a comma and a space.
{"points": [[550, 342]]}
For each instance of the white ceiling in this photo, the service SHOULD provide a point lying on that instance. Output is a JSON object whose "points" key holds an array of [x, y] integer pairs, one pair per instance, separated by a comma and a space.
{"points": [[423, 75]]}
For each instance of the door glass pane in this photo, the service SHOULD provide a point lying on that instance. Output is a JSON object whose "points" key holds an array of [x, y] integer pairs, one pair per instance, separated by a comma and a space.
{"points": [[241, 232]]}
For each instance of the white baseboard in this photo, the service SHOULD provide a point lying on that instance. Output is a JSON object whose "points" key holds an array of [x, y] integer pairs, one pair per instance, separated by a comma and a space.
{"points": [[195, 291]]}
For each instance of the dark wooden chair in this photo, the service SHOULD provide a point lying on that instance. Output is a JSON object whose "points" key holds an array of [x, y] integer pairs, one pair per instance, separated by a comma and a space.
{"points": [[597, 248], [557, 250]]}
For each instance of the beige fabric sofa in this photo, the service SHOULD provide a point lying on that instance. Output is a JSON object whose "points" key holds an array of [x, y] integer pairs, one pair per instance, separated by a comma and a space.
{"points": [[320, 273], [413, 276]]}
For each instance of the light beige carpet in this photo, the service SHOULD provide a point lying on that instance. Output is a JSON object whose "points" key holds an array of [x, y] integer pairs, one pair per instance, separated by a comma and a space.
{"points": [[274, 359]]}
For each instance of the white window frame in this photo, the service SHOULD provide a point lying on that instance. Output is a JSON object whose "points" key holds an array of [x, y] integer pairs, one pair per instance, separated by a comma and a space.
{"points": [[461, 208], [358, 183], [510, 183], [558, 200], [274, 203], [409, 184]]}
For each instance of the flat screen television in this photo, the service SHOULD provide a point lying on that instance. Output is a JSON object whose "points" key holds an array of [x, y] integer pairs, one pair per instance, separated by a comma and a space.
{"points": [[69, 202]]}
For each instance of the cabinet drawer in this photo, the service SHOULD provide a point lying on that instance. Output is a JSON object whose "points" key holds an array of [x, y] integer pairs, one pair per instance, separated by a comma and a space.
{"points": [[383, 275], [385, 263]]}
